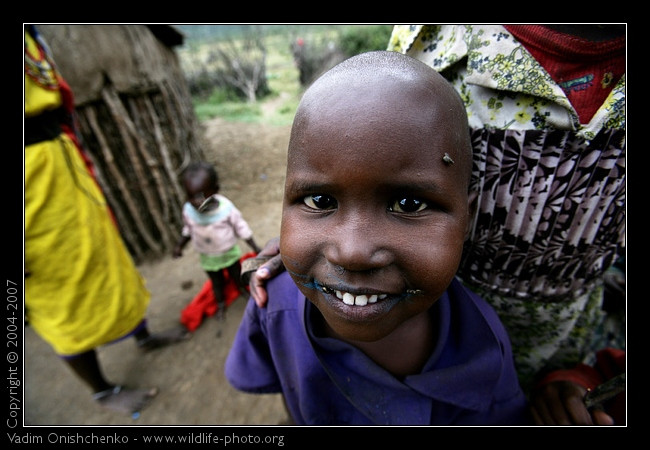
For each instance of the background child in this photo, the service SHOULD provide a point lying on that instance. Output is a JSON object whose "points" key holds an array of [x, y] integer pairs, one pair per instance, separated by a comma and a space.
{"points": [[376, 210], [214, 225]]}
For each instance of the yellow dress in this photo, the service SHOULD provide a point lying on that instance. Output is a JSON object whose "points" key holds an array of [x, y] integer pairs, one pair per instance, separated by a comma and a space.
{"points": [[83, 290]]}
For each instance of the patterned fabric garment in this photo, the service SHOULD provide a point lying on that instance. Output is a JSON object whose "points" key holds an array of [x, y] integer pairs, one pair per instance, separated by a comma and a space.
{"points": [[551, 214]]}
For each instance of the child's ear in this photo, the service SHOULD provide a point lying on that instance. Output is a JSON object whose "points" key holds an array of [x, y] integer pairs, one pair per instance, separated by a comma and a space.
{"points": [[472, 206]]}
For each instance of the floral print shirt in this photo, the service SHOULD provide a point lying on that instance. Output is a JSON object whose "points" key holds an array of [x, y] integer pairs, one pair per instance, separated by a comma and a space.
{"points": [[551, 216]]}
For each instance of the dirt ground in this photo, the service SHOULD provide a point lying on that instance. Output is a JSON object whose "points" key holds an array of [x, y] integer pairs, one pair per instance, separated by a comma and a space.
{"points": [[193, 391]]}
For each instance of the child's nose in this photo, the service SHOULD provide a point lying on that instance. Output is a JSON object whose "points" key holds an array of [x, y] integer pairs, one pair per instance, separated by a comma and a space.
{"points": [[358, 245]]}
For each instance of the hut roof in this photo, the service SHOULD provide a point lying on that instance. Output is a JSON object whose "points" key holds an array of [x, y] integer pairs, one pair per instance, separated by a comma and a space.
{"points": [[134, 58]]}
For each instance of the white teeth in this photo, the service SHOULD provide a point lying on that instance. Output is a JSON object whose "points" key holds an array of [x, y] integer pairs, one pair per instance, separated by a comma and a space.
{"points": [[358, 300], [361, 300]]}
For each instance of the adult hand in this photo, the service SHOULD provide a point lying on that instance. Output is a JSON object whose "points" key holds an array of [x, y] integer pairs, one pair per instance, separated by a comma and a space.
{"points": [[271, 268], [561, 403]]}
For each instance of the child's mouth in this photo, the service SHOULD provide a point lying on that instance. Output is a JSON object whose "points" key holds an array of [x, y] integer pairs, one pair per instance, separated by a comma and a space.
{"points": [[351, 299], [361, 299]]}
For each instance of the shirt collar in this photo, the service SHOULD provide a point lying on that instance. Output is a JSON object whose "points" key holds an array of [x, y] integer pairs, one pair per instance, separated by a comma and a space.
{"points": [[462, 370], [205, 218]]}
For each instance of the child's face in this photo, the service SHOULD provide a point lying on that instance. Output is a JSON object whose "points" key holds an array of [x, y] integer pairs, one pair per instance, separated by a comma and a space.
{"points": [[198, 188], [371, 211]]}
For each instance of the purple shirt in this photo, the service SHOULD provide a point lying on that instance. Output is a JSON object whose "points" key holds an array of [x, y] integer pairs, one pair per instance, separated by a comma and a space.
{"points": [[469, 378]]}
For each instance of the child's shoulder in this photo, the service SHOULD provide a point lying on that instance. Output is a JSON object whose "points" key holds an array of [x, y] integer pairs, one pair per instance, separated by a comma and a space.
{"points": [[471, 306], [224, 202], [285, 305], [283, 293]]}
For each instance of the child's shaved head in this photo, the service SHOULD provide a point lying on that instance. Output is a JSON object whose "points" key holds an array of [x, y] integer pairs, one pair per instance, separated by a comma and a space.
{"points": [[407, 83]]}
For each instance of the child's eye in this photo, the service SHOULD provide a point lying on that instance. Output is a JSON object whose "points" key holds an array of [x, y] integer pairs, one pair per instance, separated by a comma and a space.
{"points": [[319, 201], [407, 205]]}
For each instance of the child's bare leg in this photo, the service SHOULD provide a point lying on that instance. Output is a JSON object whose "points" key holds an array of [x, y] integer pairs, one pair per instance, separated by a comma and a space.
{"points": [[218, 285], [235, 273], [115, 398]]}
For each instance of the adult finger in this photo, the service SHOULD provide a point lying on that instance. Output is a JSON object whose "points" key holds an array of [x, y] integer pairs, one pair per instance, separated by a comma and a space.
{"points": [[600, 417]]}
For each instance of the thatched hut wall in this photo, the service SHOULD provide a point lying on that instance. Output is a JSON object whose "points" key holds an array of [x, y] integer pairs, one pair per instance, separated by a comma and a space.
{"points": [[136, 121]]}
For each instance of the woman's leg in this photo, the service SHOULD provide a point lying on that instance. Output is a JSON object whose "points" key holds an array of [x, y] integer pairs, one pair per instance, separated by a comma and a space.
{"points": [[86, 367], [128, 401], [148, 341]]}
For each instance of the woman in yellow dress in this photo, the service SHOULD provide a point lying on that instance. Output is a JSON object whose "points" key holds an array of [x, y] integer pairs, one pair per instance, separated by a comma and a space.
{"points": [[82, 289]]}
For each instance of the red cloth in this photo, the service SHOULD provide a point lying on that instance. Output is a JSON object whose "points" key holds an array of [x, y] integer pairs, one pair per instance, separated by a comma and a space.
{"points": [[586, 70], [609, 363], [204, 303]]}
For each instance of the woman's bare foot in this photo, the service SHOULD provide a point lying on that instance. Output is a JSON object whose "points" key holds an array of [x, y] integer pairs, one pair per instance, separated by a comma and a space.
{"points": [[164, 338], [125, 401]]}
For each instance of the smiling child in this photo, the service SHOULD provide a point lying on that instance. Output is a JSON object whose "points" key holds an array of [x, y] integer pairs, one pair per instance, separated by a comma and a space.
{"points": [[369, 325]]}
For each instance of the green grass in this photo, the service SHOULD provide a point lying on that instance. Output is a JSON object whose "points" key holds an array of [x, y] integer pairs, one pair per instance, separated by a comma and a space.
{"points": [[277, 108], [282, 79], [233, 111]]}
